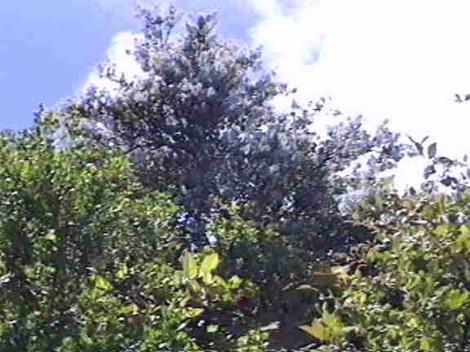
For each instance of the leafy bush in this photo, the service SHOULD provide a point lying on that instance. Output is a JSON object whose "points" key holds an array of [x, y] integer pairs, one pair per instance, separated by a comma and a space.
{"points": [[90, 260], [412, 292]]}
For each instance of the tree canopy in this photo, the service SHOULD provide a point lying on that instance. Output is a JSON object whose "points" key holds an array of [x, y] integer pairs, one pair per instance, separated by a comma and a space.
{"points": [[200, 119]]}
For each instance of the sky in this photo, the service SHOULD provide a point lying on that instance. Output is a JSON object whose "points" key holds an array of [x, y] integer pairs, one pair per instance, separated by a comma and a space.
{"points": [[401, 60], [48, 48]]}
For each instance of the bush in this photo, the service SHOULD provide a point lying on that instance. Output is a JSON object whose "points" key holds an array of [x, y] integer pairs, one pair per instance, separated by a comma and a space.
{"points": [[91, 261], [412, 292]]}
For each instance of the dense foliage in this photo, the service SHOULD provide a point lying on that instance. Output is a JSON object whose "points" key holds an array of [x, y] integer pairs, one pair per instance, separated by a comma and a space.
{"points": [[411, 291], [180, 211], [91, 261], [200, 118]]}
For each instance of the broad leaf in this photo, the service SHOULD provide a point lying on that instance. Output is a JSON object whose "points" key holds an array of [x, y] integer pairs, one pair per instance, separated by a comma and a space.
{"points": [[317, 330], [190, 266], [209, 264]]}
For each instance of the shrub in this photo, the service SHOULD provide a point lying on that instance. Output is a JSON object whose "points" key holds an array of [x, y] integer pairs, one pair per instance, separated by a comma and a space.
{"points": [[92, 261], [412, 292]]}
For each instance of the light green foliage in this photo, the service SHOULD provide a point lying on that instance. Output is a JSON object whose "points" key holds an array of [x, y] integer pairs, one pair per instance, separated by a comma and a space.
{"points": [[255, 340], [414, 292], [329, 328], [255, 252], [90, 260]]}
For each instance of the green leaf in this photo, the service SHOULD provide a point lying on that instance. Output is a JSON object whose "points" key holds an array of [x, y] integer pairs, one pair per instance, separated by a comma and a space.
{"points": [[333, 322], [122, 273], [102, 283], [465, 230], [425, 344], [443, 230], [463, 241], [235, 282], [328, 329], [85, 339], [51, 236], [457, 298], [317, 330], [194, 312], [190, 266], [219, 281], [212, 328], [413, 322], [207, 278], [208, 265]]}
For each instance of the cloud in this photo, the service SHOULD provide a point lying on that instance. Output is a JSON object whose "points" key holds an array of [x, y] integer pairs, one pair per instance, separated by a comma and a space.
{"points": [[124, 41], [400, 59], [118, 55]]}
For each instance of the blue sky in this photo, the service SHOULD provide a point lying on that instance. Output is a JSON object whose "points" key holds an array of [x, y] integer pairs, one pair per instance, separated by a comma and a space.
{"points": [[400, 60], [49, 47]]}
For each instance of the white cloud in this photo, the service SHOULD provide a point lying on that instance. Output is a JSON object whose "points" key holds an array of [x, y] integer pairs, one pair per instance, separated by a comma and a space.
{"points": [[400, 59], [123, 42], [119, 56]]}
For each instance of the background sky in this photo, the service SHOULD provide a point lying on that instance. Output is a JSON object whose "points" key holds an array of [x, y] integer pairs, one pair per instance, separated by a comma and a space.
{"points": [[400, 60], [49, 47]]}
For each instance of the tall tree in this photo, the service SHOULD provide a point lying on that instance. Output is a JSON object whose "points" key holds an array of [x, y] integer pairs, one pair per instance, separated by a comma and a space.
{"points": [[201, 118]]}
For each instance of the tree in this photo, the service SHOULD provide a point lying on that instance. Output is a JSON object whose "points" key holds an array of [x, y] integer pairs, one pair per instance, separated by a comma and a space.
{"points": [[411, 289], [94, 246], [90, 260], [201, 119]]}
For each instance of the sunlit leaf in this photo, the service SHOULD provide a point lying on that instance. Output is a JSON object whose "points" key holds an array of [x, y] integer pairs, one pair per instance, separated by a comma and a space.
{"points": [[51, 236], [208, 265], [235, 282], [190, 267], [194, 312], [457, 298], [102, 283], [317, 330], [122, 273], [306, 287], [212, 328], [425, 344]]}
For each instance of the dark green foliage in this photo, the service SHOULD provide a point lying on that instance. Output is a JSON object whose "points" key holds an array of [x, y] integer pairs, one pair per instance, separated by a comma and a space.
{"points": [[200, 118]]}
